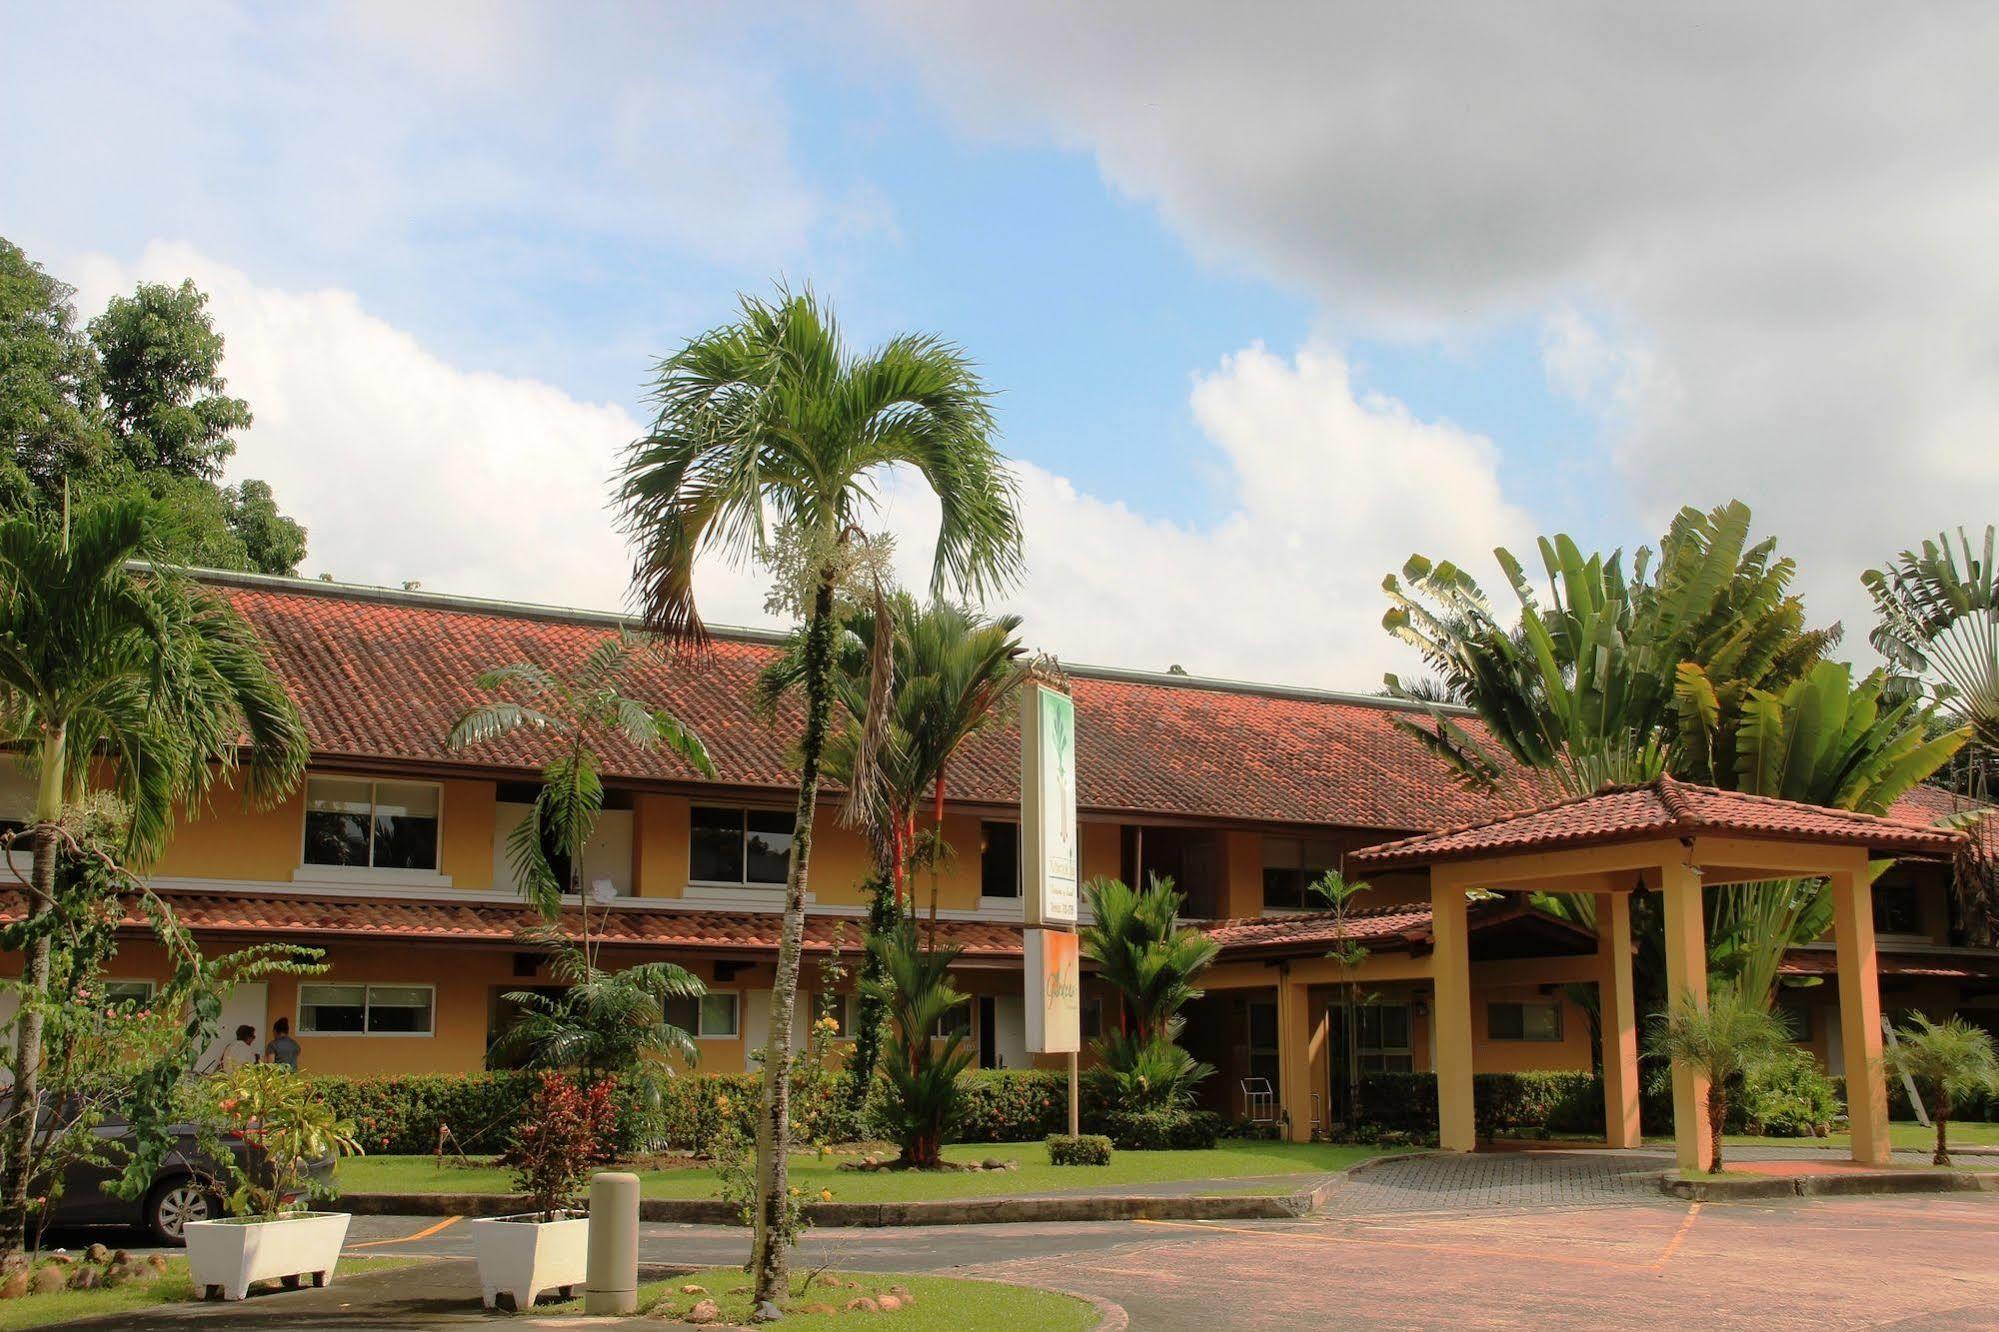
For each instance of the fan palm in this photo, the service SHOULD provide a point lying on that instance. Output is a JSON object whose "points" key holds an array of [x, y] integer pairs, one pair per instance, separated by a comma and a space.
{"points": [[1951, 1061], [1939, 623], [773, 420], [103, 652], [1723, 1039], [580, 711]]}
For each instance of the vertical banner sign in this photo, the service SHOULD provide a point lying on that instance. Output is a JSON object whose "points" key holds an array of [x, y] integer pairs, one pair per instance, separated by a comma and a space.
{"points": [[1048, 837], [1054, 988]]}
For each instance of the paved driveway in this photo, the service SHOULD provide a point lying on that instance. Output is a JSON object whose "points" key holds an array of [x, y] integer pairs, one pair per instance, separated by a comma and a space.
{"points": [[1453, 1183]]}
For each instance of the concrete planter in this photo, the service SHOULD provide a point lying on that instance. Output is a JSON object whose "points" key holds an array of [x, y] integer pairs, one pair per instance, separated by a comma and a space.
{"points": [[224, 1257], [522, 1256]]}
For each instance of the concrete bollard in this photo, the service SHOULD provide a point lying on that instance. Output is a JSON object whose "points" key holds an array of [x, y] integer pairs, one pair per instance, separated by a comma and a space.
{"points": [[612, 1278]]}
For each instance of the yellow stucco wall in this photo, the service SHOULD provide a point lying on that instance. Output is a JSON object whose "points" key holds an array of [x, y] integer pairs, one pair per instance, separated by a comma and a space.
{"points": [[228, 839], [1242, 860], [1102, 851], [659, 845], [465, 837]]}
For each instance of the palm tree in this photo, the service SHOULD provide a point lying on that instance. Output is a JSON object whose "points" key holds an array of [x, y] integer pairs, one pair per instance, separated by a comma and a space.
{"points": [[1143, 952], [1951, 1061], [580, 711], [1939, 624], [105, 653], [1732, 1034], [773, 420], [1347, 953], [914, 985]]}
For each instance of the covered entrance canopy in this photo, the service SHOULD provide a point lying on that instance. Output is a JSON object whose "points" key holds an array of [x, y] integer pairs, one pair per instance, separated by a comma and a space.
{"points": [[1674, 839]]}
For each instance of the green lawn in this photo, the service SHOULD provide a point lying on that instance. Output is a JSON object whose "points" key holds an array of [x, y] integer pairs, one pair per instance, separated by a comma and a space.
{"points": [[942, 1304], [1232, 1159], [1908, 1137], [172, 1288]]}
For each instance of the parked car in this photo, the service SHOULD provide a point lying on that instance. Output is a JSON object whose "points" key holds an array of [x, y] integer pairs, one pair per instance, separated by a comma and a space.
{"points": [[184, 1188]]}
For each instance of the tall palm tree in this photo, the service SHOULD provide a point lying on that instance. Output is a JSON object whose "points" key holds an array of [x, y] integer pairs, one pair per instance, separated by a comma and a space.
{"points": [[773, 421], [104, 652], [580, 712]]}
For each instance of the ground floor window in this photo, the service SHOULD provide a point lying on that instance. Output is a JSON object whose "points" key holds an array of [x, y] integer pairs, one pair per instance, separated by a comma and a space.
{"points": [[137, 993], [1536, 1021], [1383, 1041], [366, 1010], [712, 1017]]}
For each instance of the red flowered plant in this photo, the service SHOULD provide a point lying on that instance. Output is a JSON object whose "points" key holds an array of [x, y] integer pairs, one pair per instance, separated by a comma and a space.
{"points": [[564, 1131]]}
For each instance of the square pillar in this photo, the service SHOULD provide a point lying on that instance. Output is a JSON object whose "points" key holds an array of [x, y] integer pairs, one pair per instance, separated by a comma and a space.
{"points": [[1451, 1027], [1295, 1031], [1860, 1013], [1686, 973], [1618, 1017]]}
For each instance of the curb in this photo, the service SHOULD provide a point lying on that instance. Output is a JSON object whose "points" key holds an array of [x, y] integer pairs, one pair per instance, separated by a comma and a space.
{"points": [[1827, 1186], [938, 1212]]}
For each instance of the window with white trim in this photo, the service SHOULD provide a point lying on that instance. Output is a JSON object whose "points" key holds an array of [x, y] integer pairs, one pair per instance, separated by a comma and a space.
{"points": [[137, 993], [361, 824], [1537, 1021], [839, 1007], [749, 847], [366, 1010], [715, 1016]]}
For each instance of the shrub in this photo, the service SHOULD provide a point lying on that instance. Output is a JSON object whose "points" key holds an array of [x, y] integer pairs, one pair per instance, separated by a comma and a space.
{"points": [[565, 1131], [1789, 1097], [1163, 1129], [1085, 1149], [1138, 1072], [289, 1124], [1550, 1101]]}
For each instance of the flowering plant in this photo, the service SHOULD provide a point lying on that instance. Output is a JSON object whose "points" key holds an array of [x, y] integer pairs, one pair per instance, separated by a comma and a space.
{"points": [[565, 1131]]}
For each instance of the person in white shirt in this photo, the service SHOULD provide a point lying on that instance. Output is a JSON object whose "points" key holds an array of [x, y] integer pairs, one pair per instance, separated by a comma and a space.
{"points": [[241, 1051]]}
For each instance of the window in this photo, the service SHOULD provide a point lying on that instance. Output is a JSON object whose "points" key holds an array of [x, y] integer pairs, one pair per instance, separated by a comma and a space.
{"points": [[365, 1010], [1290, 866], [712, 1017], [1896, 910], [1797, 1020], [1524, 1022], [839, 1007], [1382, 1043], [999, 859], [746, 846], [371, 825], [958, 1020], [137, 993], [1093, 1018]]}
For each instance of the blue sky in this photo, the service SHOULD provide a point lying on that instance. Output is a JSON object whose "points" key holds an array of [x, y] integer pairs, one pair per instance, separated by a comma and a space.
{"points": [[1225, 278]]}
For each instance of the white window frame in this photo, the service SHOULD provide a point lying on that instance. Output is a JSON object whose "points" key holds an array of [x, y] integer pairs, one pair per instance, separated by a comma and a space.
{"points": [[735, 998], [369, 873], [743, 883], [367, 988], [152, 987]]}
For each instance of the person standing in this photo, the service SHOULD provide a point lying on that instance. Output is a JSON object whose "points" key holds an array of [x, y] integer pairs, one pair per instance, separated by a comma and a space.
{"points": [[282, 1048], [242, 1050]]}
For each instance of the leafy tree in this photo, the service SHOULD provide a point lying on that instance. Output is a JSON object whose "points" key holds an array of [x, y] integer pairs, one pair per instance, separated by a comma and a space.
{"points": [[922, 1069], [133, 409], [912, 683], [1951, 1062], [156, 678], [774, 420], [1723, 1040], [1939, 627]]}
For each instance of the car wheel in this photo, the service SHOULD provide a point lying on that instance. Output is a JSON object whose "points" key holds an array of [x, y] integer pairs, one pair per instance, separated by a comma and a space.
{"points": [[175, 1202]]}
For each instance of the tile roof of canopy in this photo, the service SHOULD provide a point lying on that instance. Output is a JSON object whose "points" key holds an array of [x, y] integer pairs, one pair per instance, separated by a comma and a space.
{"points": [[1664, 807], [381, 675]]}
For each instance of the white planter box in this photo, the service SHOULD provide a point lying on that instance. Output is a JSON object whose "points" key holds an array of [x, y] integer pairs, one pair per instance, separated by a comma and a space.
{"points": [[522, 1257], [226, 1256]]}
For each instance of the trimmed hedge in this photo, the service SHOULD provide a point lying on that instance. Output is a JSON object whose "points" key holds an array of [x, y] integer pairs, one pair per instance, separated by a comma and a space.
{"points": [[1558, 1102], [1163, 1130], [1085, 1149]]}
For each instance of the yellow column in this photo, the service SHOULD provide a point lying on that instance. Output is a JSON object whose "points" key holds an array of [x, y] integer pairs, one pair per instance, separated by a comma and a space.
{"points": [[1457, 1129], [1860, 1014], [1686, 973], [1294, 1056], [1618, 1017]]}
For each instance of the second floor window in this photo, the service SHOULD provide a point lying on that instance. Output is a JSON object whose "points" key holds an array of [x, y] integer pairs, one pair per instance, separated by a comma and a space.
{"points": [[748, 846], [1291, 865], [370, 825], [999, 859]]}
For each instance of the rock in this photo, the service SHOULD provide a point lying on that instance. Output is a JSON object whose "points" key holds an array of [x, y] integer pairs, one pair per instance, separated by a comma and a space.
{"points": [[862, 1304], [824, 1280], [63, 1257], [851, 1285], [120, 1256], [704, 1312], [86, 1278], [767, 1313], [96, 1253], [14, 1285], [817, 1307], [888, 1303], [158, 1262], [693, 1290], [12, 1263], [48, 1280], [901, 1292], [993, 1163], [119, 1274], [739, 1290]]}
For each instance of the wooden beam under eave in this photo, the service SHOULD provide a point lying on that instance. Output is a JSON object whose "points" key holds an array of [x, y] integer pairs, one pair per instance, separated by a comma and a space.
{"points": [[1747, 860], [1534, 871]]}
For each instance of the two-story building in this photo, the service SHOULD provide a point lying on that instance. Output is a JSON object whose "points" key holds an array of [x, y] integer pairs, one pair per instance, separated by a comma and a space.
{"points": [[391, 855]]}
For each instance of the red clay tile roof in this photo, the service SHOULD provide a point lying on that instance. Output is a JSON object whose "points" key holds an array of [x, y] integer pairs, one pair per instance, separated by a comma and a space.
{"points": [[1405, 926], [1926, 806], [1956, 965], [1661, 808], [383, 679]]}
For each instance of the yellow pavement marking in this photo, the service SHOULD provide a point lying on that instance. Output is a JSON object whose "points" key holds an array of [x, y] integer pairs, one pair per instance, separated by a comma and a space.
{"points": [[425, 1233], [1679, 1237], [1375, 1242]]}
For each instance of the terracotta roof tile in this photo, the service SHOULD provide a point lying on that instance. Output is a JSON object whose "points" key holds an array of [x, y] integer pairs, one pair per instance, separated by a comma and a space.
{"points": [[385, 679], [1664, 807]]}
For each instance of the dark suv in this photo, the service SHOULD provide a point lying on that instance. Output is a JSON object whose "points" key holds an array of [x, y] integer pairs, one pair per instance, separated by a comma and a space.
{"points": [[184, 1189]]}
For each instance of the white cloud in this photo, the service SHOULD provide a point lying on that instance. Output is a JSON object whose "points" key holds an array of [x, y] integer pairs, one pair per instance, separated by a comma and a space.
{"points": [[406, 467], [1777, 215]]}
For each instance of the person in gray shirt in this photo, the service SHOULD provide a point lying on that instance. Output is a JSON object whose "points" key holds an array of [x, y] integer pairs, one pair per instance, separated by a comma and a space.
{"points": [[282, 1048]]}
